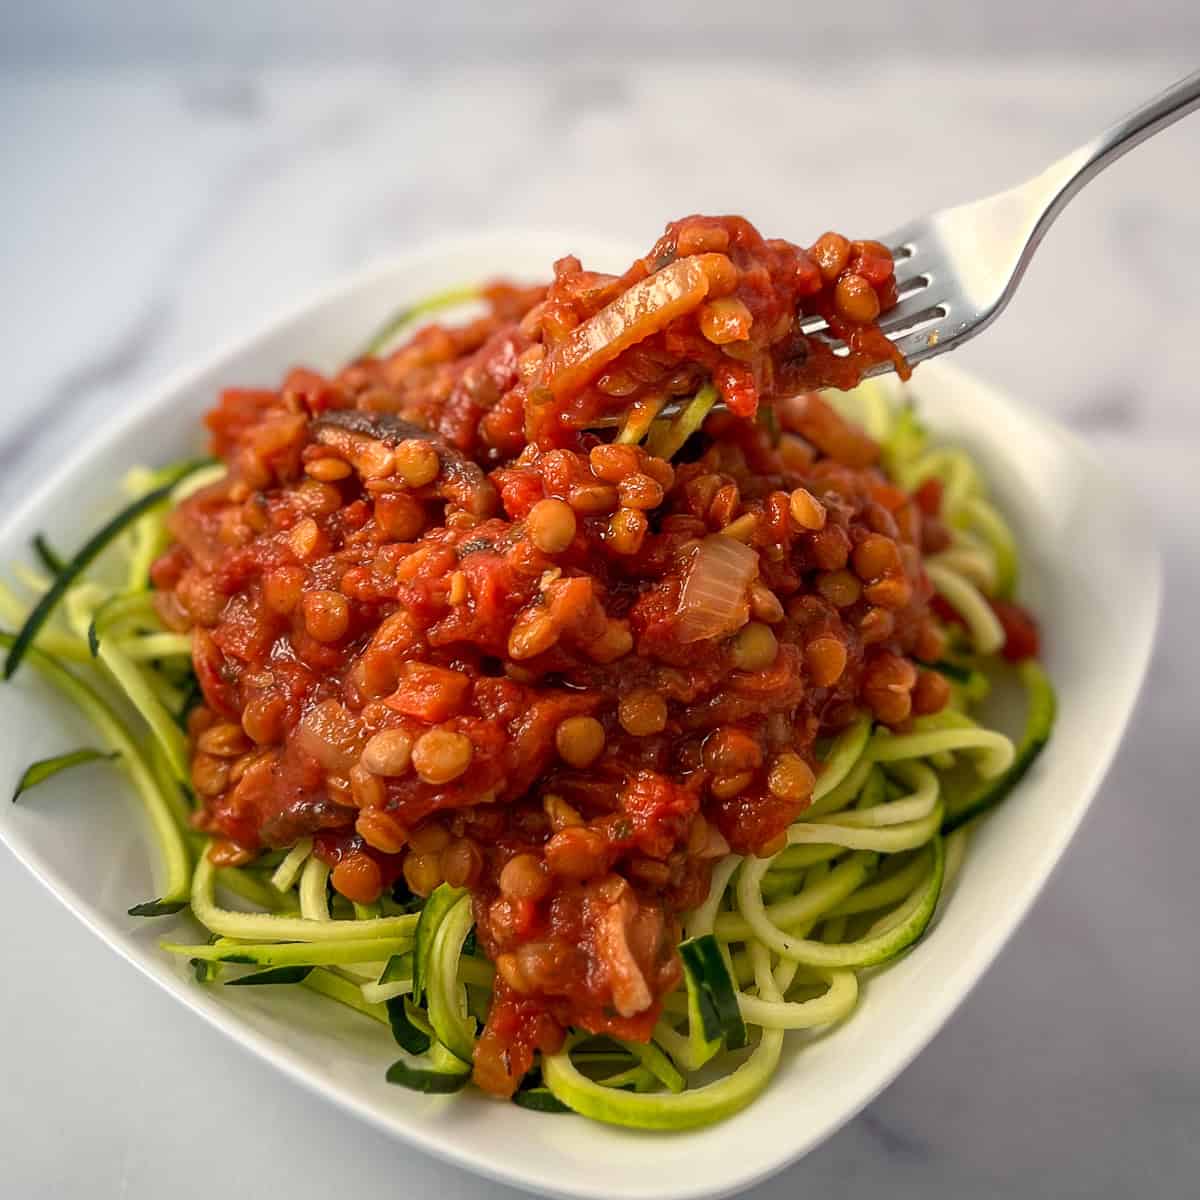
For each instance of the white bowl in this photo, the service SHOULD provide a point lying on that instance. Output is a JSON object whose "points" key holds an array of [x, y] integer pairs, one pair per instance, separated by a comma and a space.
{"points": [[1091, 574]]}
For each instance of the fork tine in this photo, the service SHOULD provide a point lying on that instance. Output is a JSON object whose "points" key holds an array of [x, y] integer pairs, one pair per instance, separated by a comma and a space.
{"points": [[906, 289], [919, 344], [910, 285], [903, 240], [918, 308]]}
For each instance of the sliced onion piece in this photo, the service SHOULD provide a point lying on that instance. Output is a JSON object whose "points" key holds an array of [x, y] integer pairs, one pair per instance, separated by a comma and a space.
{"points": [[715, 597], [640, 311]]}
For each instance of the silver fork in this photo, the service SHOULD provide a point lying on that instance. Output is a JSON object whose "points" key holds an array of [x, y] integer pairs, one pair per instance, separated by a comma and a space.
{"points": [[958, 268]]}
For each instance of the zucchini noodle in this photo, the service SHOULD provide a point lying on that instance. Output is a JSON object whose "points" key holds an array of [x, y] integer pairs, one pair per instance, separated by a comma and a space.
{"points": [[777, 943], [289, 870], [314, 898], [971, 604], [400, 320], [837, 1002]]}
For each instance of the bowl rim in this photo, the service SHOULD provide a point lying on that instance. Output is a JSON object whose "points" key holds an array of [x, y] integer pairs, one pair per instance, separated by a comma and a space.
{"points": [[277, 1053]]}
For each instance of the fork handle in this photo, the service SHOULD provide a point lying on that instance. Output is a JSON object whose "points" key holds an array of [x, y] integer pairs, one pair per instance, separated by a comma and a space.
{"points": [[1066, 176]]}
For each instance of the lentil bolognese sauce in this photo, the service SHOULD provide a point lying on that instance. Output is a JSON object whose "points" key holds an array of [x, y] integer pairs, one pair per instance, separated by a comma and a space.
{"points": [[480, 632]]}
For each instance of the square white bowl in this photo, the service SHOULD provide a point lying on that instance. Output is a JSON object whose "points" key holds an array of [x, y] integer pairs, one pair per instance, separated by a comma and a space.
{"points": [[1089, 571]]}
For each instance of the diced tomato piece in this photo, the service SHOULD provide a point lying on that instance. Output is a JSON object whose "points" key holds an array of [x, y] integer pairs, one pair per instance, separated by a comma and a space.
{"points": [[429, 693], [929, 496], [1021, 637]]}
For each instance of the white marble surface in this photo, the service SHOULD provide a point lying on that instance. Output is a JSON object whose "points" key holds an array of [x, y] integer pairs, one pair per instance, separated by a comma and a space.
{"points": [[149, 213]]}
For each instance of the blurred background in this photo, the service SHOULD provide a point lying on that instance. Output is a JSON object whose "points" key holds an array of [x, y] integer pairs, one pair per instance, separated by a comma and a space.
{"points": [[176, 172]]}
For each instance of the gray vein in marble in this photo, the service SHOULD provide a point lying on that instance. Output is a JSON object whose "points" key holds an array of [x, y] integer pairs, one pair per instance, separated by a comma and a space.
{"points": [[1113, 406], [118, 362], [893, 1139]]}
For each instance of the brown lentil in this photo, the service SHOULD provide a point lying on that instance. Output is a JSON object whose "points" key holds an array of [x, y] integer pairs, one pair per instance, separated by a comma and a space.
{"points": [[225, 740], [615, 642], [560, 813], [303, 539], [593, 498], [380, 829], [263, 720], [931, 693], [532, 633], [578, 853], [888, 681], [754, 647], [724, 786], [771, 848], [400, 516], [725, 320], [389, 752], [831, 253], [791, 778], [725, 503], [462, 863], [730, 750], [357, 877], [764, 604], [551, 525], [642, 712], [825, 658], [283, 589], [510, 971], [328, 470], [365, 788], [374, 459], [422, 872], [627, 530], [840, 588], [856, 299], [807, 511], [416, 463], [429, 838], [874, 556], [319, 499], [830, 548], [660, 471], [640, 491], [877, 625], [326, 615], [579, 740], [524, 878], [441, 755], [613, 462], [893, 592], [210, 775], [931, 645]]}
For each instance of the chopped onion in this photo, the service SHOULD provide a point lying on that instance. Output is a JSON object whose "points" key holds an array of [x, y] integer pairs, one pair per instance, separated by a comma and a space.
{"points": [[640, 311], [715, 598], [331, 734]]}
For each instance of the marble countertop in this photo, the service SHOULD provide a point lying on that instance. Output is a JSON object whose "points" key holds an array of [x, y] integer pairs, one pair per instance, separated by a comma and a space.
{"points": [[148, 214]]}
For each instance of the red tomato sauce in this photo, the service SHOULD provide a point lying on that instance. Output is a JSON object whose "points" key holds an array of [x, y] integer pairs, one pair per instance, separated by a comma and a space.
{"points": [[451, 633]]}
